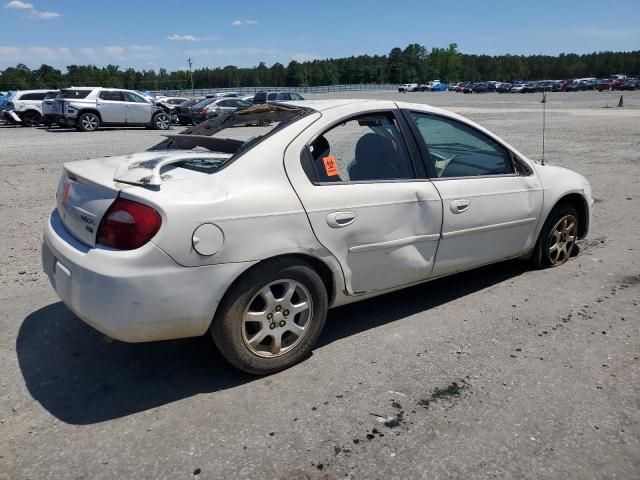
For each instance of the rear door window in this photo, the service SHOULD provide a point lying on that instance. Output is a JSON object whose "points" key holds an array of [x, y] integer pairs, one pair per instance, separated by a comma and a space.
{"points": [[364, 148], [33, 96]]}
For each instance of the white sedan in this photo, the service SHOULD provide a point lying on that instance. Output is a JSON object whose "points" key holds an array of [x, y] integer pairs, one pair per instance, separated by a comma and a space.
{"points": [[252, 233]]}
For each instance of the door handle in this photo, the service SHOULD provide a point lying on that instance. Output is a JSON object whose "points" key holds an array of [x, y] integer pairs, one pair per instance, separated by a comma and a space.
{"points": [[459, 206], [341, 219]]}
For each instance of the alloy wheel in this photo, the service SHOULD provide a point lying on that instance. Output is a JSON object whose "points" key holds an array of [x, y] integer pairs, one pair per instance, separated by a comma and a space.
{"points": [[562, 239], [277, 318]]}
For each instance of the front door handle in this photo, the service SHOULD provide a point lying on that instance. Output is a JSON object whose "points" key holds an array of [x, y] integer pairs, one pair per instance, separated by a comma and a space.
{"points": [[459, 206], [341, 219]]}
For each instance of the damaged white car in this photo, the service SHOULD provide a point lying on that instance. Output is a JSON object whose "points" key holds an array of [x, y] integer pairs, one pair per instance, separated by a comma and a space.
{"points": [[252, 233]]}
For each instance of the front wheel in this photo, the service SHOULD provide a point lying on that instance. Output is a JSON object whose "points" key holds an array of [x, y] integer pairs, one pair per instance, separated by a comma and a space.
{"points": [[557, 238], [162, 121], [272, 317]]}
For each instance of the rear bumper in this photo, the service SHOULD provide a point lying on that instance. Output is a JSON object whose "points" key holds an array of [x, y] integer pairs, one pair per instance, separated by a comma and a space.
{"points": [[134, 296]]}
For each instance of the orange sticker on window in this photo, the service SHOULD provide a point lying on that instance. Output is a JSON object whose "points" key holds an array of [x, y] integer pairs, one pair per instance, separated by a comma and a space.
{"points": [[330, 166]]}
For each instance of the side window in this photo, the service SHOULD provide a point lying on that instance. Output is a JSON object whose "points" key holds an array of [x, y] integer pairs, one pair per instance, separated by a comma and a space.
{"points": [[295, 96], [272, 96], [33, 96], [112, 95], [132, 97], [364, 148], [457, 150]]}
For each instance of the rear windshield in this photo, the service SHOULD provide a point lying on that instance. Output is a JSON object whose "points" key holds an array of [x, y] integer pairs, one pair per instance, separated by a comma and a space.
{"points": [[74, 93], [230, 135]]}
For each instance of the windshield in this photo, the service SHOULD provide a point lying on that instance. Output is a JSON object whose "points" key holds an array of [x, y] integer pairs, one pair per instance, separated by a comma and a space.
{"points": [[231, 135]]}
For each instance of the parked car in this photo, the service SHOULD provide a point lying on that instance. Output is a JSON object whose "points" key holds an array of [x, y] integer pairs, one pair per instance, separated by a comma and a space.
{"points": [[518, 88], [254, 240], [504, 88], [611, 84], [630, 84], [452, 87], [465, 87], [4, 99], [25, 107], [171, 101], [530, 87], [212, 107], [89, 108], [183, 111], [267, 97], [407, 87], [438, 87], [480, 87]]}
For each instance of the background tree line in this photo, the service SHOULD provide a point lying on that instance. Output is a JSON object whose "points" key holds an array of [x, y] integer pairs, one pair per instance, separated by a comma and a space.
{"points": [[413, 64]]}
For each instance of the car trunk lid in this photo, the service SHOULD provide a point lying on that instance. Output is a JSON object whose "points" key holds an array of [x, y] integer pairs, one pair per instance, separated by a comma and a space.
{"points": [[82, 203]]}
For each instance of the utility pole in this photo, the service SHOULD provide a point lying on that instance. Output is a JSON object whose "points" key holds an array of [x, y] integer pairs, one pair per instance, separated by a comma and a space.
{"points": [[191, 74]]}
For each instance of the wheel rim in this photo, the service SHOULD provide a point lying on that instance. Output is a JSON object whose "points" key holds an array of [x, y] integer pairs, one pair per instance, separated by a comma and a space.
{"points": [[89, 122], [562, 238], [277, 318], [30, 120], [163, 122]]}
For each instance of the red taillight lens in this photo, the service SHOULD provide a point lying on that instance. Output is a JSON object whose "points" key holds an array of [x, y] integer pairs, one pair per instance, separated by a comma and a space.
{"points": [[128, 225]]}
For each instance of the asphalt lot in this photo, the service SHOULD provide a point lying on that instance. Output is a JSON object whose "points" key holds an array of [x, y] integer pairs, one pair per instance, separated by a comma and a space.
{"points": [[504, 372]]}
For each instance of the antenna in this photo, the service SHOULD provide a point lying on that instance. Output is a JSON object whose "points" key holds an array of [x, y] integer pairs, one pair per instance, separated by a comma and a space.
{"points": [[544, 125], [544, 111]]}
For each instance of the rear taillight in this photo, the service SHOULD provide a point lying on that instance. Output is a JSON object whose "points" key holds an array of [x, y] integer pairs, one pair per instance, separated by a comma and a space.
{"points": [[205, 110], [128, 225]]}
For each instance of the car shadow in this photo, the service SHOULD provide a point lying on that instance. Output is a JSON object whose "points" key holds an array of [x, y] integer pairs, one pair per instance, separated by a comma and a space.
{"points": [[82, 377]]}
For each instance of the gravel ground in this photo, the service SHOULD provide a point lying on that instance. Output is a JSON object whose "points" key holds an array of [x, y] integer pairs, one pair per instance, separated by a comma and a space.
{"points": [[504, 372]]}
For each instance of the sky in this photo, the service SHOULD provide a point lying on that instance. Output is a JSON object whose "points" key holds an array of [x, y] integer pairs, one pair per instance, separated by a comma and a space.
{"points": [[215, 33]]}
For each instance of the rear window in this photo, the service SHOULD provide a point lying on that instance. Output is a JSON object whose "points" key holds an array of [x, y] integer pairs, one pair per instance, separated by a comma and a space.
{"points": [[228, 136], [32, 96], [74, 93]]}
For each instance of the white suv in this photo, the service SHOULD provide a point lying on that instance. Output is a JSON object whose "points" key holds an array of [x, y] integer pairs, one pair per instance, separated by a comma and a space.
{"points": [[26, 107], [89, 108]]}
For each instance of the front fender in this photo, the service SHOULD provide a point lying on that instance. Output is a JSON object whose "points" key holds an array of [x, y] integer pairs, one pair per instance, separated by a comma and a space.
{"points": [[558, 183]]}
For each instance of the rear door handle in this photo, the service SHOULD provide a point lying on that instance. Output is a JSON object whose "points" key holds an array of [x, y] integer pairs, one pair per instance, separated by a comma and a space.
{"points": [[459, 206], [341, 219]]}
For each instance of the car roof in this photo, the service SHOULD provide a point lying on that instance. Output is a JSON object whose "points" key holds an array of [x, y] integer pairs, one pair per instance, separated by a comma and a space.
{"points": [[34, 91], [322, 105]]}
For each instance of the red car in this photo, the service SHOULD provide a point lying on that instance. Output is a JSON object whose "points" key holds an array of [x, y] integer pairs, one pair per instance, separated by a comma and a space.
{"points": [[611, 84]]}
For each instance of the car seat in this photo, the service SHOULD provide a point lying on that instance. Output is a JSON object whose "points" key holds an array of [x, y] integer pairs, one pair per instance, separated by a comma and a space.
{"points": [[375, 159]]}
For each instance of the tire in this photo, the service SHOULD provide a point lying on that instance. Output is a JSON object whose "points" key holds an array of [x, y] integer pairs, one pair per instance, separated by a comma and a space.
{"points": [[88, 122], [31, 119], [557, 238], [161, 121], [249, 320]]}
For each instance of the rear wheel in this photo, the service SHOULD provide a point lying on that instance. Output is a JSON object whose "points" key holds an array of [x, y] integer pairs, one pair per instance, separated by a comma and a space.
{"points": [[88, 122], [557, 238], [31, 119], [272, 317]]}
